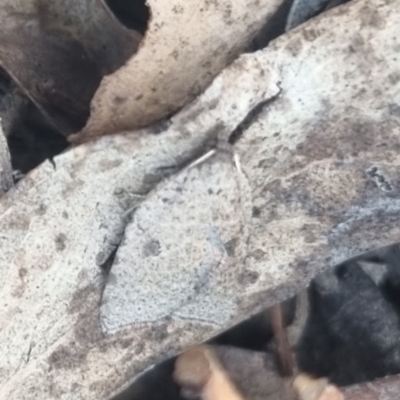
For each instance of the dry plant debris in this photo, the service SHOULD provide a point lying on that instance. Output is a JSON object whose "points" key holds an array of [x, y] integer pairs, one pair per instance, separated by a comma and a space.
{"points": [[304, 174], [198, 370], [309, 388], [186, 45], [200, 374], [58, 52], [6, 180], [282, 345]]}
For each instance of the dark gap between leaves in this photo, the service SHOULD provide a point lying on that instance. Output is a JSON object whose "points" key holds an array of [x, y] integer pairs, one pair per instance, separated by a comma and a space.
{"points": [[351, 335], [250, 118], [274, 28], [276, 25], [31, 138], [107, 264], [134, 14]]}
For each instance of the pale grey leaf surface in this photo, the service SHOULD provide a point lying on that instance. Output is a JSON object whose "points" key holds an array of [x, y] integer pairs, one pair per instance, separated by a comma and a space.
{"points": [[313, 180], [6, 180]]}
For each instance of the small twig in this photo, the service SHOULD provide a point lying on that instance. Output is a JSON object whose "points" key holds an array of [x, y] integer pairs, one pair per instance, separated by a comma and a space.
{"points": [[201, 159], [238, 166], [286, 339], [283, 351], [306, 387], [297, 327]]}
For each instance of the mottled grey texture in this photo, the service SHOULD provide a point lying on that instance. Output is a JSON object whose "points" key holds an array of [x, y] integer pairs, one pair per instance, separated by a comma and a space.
{"points": [[313, 180], [6, 180], [382, 389]]}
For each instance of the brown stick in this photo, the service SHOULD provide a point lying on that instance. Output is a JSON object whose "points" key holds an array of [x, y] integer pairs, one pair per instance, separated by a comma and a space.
{"points": [[283, 351]]}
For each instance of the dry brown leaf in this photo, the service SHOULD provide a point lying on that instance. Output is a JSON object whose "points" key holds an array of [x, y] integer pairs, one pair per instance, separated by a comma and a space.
{"points": [[58, 51], [309, 388], [199, 372], [187, 44], [231, 373], [199, 369]]}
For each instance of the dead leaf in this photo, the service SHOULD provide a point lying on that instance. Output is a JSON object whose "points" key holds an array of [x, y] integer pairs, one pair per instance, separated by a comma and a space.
{"points": [[199, 369], [240, 230], [216, 373], [58, 52], [187, 44], [381, 389], [246, 374], [309, 388]]}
